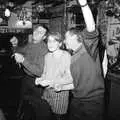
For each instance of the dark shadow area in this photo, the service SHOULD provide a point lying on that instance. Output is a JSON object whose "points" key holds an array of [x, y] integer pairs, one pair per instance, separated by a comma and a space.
{"points": [[10, 79]]}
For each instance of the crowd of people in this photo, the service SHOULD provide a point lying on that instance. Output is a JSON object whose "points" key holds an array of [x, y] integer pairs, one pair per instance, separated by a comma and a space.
{"points": [[59, 84]]}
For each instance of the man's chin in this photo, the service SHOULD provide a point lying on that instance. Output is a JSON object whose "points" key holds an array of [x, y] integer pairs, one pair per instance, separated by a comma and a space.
{"points": [[51, 50], [35, 42]]}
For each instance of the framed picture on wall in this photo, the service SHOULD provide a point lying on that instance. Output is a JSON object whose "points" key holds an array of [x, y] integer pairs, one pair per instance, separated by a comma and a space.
{"points": [[113, 40]]}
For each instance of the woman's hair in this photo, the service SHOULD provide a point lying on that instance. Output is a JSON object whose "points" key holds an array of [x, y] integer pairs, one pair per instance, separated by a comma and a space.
{"points": [[56, 35], [76, 31]]}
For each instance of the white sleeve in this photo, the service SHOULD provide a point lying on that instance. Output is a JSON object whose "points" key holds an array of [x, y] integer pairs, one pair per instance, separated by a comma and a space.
{"points": [[105, 64], [43, 76]]}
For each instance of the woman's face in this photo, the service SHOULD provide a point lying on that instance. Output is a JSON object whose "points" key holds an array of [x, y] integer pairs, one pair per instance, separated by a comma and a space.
{"points": [[53, 45]]}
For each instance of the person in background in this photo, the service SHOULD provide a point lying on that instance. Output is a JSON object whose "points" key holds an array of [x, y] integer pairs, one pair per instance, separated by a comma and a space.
{"points": [[56, 76], [87, 102], [31, 58], [2, 115]]}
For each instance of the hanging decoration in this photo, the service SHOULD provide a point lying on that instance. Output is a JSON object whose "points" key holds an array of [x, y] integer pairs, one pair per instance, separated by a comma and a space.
{"points": [[7, 12], [113, 8], [24, 19]]}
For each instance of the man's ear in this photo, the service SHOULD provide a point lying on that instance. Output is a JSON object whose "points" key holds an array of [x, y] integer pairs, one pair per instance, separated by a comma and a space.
{"points": [[44, 37], [60, 44]]}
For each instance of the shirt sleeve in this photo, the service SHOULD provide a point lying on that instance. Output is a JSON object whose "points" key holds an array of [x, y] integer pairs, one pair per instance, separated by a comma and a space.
{"points": [[34, 68], [36, 65], [90, 40], [43, 76]]}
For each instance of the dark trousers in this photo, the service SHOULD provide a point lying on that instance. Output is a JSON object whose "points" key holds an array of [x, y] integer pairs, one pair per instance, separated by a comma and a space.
{"points": [[86, 110], [28, 87], [32, 106], [59, 117]]}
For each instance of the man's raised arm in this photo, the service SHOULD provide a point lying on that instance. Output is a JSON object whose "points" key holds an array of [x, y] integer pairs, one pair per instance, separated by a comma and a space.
{"points": [[88, 16]]}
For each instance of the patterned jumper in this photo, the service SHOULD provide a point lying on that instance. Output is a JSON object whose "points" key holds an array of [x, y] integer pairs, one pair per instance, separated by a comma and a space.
{"points": [[57, 70]]}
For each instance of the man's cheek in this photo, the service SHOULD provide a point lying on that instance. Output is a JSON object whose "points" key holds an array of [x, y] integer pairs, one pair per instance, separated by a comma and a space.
{"points": [[67, 46]]}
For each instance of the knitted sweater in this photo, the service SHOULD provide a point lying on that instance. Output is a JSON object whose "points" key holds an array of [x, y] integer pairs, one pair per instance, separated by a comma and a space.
{"points": [[86, 69], [57, 70], [34, 57]]}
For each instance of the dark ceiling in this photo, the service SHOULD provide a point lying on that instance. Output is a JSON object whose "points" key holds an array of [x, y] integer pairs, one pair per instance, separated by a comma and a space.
{"points": [[18, 2], [35, 1]]}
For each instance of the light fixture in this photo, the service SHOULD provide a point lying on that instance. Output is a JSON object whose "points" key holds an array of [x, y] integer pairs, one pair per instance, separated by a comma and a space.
{"points": [[1, 20], [24, 19], [7, 12]]}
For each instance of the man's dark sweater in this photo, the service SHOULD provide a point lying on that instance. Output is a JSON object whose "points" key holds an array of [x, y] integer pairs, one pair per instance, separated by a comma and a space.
{"points": [[34, 57], [33, 66], [86, 69]]}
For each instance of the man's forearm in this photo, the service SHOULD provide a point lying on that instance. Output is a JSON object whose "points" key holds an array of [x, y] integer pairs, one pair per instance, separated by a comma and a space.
{"points": [[33, 68], [88, 16]]}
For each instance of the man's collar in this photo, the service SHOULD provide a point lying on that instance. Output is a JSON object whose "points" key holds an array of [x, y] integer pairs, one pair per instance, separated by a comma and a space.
{"points": [[78, 49]]}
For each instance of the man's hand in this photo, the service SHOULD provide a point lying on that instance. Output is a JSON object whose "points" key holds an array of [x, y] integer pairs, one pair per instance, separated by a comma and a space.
{"points": [[82, 2], [37, 81], [19, 58], [44, 83]]}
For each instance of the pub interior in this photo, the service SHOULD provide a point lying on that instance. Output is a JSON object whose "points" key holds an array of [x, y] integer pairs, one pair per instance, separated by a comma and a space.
{"points": [[19, 17]]}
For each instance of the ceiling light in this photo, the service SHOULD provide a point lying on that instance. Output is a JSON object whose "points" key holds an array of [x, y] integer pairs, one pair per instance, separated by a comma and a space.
{"points": [[7, 12]]}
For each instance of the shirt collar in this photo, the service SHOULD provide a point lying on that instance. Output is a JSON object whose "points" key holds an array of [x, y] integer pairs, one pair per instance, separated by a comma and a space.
{"points": [[77, 50]]}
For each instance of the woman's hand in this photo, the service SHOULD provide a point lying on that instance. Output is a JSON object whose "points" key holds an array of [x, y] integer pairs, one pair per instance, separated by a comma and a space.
{"points": [[57, 87], [37, 81], [44, 83]]}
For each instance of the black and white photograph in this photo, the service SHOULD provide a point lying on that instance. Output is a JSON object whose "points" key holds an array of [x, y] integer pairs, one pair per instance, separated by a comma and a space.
{"points": [[59, 59]]}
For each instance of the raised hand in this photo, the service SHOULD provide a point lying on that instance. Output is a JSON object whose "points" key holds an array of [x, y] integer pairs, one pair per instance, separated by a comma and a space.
{"points": [[44, 83], [82, 2]]}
